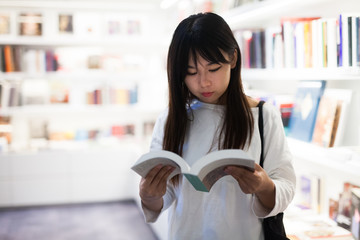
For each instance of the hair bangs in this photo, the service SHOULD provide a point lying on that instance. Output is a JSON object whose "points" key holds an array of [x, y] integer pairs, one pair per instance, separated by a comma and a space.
{"points": [[208, 51]]}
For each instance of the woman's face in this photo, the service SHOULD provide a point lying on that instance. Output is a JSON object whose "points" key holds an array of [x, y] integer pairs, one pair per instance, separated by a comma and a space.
{"points": [[208, 81]]}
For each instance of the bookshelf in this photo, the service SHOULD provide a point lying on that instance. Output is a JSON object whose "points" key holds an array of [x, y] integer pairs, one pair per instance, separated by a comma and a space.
{"points": [[333, 166], [106, 65], [73, 149]]}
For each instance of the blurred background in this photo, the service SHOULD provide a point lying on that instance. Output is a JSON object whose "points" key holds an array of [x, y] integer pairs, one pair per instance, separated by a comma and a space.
{"points": [[82, 83]]}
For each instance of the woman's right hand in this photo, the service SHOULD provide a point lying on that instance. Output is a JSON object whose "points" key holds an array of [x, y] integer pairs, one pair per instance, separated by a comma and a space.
{"points": [[153, 187]]}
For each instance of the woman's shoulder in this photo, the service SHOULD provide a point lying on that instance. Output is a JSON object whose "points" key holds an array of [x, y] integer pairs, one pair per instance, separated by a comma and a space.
{"points": [[267, 107], [162, 117], [271, 114], [252, 102]]}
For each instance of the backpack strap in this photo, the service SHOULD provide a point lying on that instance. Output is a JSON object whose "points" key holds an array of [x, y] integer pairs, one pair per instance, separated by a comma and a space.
{"points": [[261, 130]]}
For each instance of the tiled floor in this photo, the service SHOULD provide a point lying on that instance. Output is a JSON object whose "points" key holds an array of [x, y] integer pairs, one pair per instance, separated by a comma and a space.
{"points": [[91, 221]]}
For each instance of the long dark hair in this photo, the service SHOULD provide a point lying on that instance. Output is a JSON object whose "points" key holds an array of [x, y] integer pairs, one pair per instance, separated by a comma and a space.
{"points": [[205, 34]]}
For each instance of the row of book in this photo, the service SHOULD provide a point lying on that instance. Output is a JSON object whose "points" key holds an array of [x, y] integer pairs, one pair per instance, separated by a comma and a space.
{"points": [[17, 59], [42, 132], [14, 58], [315, 114], [82, 23], [112, 96], [41, 91], [309, 42], [94, 134]]}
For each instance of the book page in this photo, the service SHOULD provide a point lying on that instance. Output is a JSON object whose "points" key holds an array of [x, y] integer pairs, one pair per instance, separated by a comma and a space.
{"points": [[222, 158], [211, 178], [150, 160]]}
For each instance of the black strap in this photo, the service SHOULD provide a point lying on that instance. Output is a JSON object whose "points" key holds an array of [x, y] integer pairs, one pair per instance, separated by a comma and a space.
{"points": [[261, 130], [273, 227]]}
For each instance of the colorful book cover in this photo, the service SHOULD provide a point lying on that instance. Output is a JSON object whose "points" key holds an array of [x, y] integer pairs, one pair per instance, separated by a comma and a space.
{"points": [[30, 24], [325, 121], [66, 24], [332, 117], [4, 24], [310, 192], [305, 109]]}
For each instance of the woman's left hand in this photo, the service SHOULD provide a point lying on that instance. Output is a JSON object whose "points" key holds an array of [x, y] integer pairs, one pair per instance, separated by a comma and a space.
{"points": [[257, 182]]}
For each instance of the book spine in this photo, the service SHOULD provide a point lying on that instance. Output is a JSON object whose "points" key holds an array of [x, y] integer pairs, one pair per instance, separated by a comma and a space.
{"points": [[349, 24], [8, 56], [340, 41], [307, 45], [17, 59], [288, 37], [252, 51], [345, 41], [353, 41], [358, 40], [315, 43], [299, 40], [324, 43], [278, 51], [2, 59], [269, 47], [331, 43], [263, 49], [248, 39]]}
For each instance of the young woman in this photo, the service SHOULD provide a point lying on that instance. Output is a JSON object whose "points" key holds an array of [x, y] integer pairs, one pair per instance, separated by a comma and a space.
{"points": [[207, 111]]}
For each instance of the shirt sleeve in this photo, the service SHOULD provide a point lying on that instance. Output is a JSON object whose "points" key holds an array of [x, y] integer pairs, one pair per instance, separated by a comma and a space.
{"points": [[152, 216], [277, 164], [156, 144]]}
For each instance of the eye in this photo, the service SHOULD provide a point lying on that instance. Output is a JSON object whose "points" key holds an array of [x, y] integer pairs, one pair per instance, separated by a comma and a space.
{"points": [[191, 73], [214, 69]]}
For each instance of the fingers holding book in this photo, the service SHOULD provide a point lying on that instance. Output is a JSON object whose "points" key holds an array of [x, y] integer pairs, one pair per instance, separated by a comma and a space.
{"points": [[153, 186], [257, 182]]}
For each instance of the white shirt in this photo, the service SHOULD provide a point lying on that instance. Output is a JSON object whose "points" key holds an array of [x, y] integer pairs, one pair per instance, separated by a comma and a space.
{"points": [[225, 212]]}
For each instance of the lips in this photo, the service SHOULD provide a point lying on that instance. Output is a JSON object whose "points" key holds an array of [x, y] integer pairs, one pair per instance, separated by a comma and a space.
{"points": [[207, 94]]}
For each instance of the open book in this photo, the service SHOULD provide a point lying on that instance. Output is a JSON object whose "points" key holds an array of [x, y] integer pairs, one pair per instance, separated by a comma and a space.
{"points": [[203, 173]]}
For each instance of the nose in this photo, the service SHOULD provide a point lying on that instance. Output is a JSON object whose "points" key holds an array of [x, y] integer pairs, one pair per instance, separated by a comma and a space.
{"points": [[204, 81]]}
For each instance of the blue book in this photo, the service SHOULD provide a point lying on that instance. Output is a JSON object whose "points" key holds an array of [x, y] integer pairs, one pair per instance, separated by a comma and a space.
{"points": [[340, 53], [306, 104]]}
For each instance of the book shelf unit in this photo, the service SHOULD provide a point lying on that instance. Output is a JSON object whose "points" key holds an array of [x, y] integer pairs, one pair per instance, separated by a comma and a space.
{"points": [[94, 143], [128, 65], [334, 166]]}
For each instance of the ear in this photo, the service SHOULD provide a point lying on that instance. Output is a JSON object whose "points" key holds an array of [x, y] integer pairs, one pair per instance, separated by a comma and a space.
{"points": [[234, 59]]}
